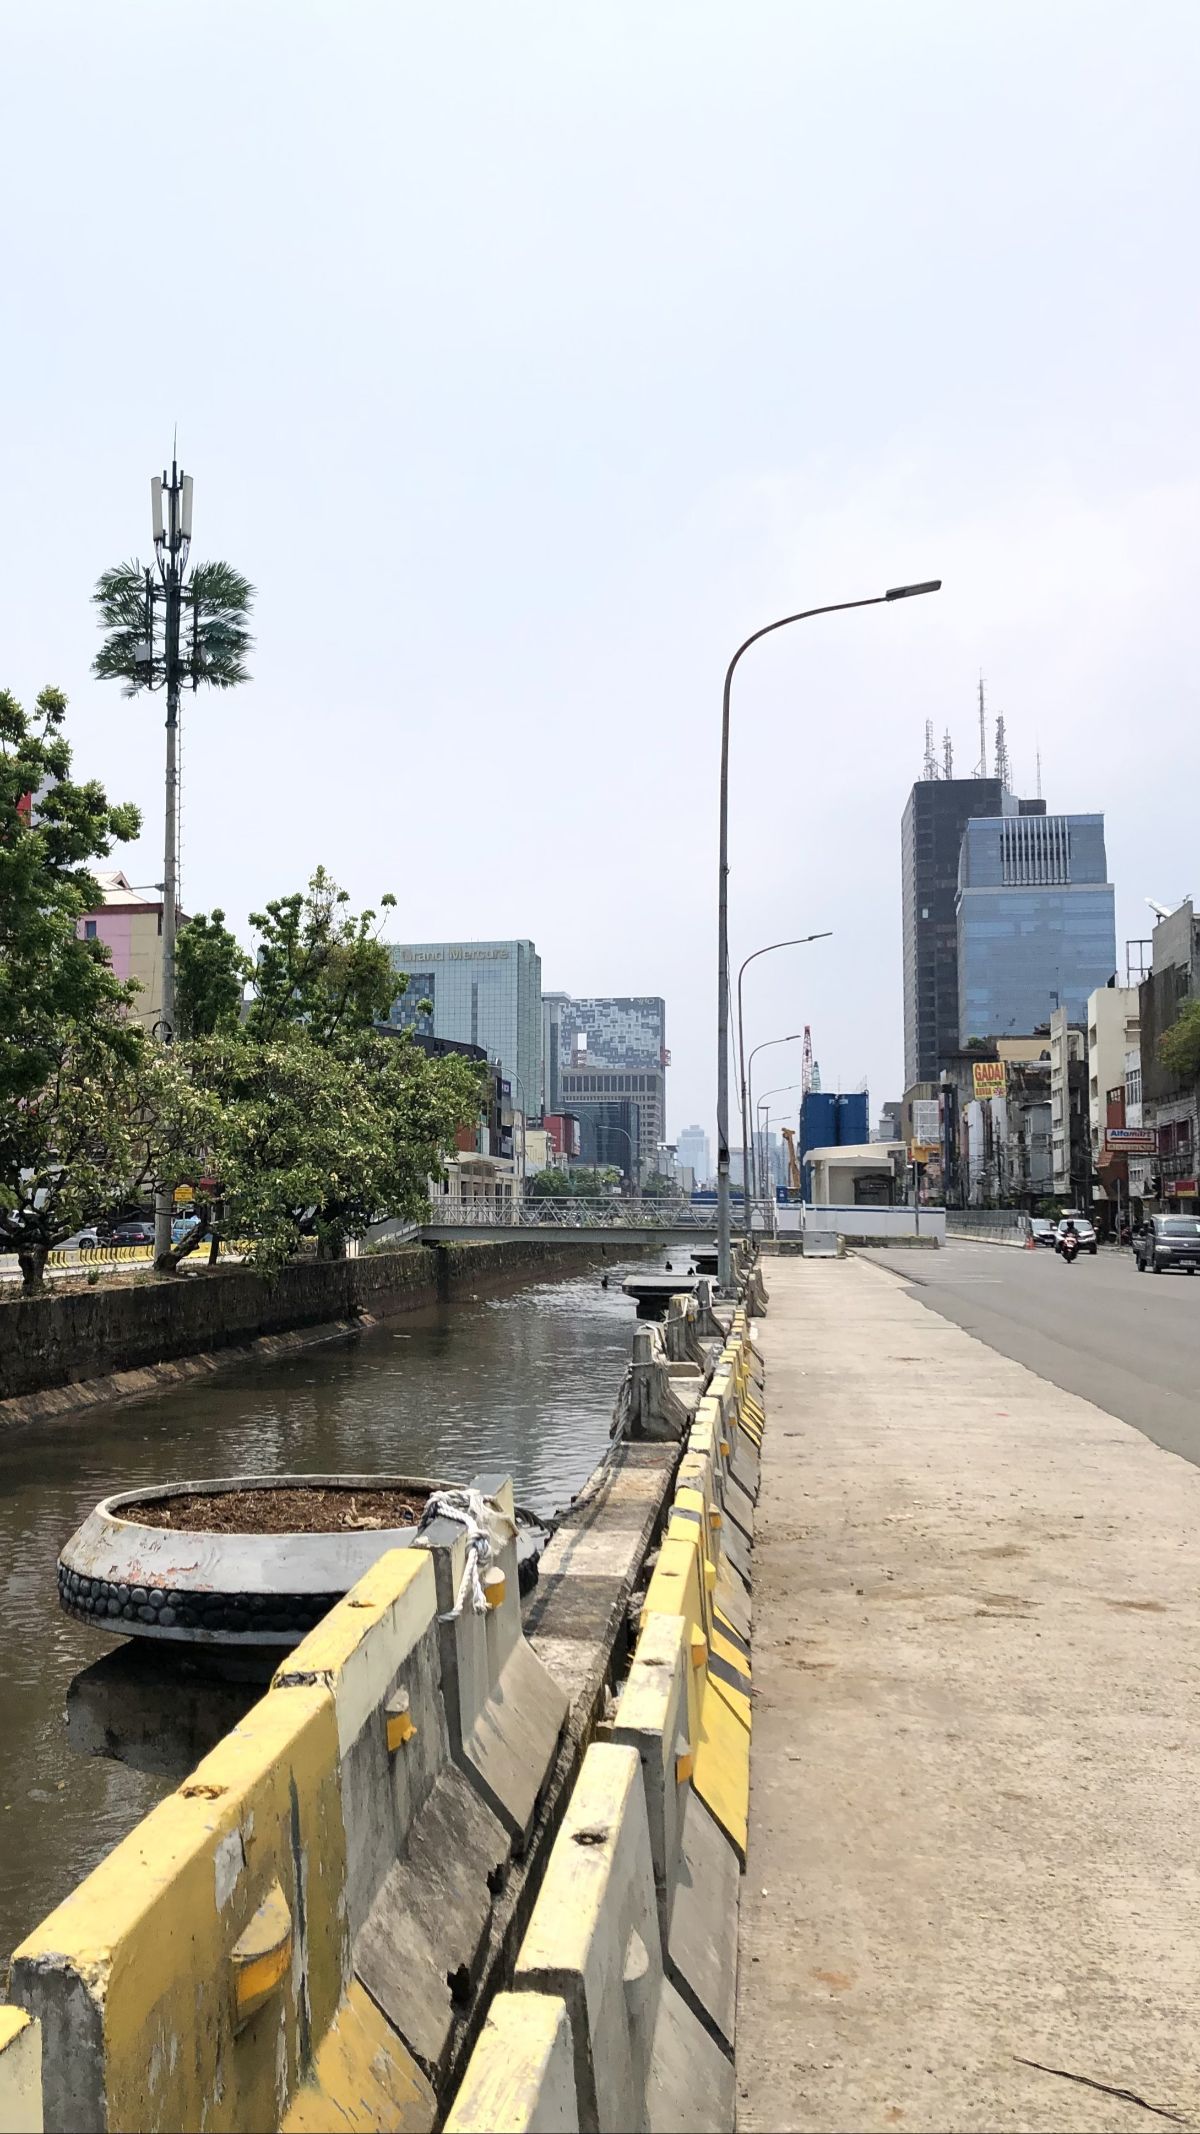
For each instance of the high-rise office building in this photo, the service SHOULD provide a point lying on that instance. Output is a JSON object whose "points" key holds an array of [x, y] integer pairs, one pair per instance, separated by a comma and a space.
{"points": [[931, 835], [1036, 922], [612, 1052], [485, 993], [692, 1148]]}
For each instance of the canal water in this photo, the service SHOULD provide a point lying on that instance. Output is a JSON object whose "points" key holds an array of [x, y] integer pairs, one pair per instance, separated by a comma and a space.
{"points": [[523, 1382]]}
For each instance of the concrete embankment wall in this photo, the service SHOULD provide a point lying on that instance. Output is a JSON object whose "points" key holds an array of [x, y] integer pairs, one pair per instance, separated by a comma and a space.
{"points": [[64, 1341]]}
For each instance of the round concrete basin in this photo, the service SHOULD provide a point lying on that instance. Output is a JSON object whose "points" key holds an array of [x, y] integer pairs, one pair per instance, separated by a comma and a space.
{"points": [[124, 1574]]}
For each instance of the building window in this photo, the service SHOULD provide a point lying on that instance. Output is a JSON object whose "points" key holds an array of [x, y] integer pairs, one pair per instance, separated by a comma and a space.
{"points": [[89, 929]]}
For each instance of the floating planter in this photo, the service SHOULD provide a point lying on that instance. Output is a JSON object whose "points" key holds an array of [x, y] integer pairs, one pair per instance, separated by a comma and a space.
{"points": [[247, 1560]]}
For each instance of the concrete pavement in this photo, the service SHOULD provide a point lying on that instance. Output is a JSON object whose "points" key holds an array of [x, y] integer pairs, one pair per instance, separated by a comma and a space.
{"points": [[975, 1806]]}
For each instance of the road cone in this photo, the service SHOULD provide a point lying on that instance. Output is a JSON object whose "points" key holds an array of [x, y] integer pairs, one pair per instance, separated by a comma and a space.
{"points": [[1030, 1241]]}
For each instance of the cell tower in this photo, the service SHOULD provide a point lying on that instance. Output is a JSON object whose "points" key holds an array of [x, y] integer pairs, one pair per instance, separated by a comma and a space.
{"points": [[947, 755], [931, 768], [807, 1070], [981, 769], [1002, 767]]}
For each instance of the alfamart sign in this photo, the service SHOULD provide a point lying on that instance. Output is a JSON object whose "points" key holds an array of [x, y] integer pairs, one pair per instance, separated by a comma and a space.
{"points": [[990, 1078]]}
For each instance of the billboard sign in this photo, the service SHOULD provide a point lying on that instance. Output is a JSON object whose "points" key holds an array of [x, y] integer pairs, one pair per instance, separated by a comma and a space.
{"points": [[1131, 1140], [990, 1078]]}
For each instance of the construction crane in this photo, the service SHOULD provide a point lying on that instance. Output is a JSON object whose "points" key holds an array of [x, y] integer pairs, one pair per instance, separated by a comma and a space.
{"points": [[795, 1182], [806, 1065]]}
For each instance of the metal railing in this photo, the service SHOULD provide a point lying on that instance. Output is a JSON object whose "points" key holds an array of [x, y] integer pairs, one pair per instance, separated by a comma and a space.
{"points": [[570, 1213]]}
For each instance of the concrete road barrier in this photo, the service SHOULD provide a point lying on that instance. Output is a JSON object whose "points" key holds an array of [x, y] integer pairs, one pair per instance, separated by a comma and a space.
{"points": [[642, 2059], [505, 1709], [696, 1869], [182, 1983], [20, 2073], [423, 1851], [521, 2078]]}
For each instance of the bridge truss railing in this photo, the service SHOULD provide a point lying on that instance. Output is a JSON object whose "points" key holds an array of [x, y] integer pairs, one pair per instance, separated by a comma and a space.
{"points": [[570, 1213]]}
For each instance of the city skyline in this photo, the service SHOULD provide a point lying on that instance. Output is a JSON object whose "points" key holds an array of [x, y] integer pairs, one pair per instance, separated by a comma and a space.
{"points": [[623, 475]]}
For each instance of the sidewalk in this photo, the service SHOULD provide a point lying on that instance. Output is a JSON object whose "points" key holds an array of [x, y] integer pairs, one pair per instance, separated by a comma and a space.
{"points": [[975, 1805]]}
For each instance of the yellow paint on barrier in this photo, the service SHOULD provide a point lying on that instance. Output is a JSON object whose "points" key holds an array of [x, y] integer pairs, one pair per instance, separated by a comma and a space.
{"points": [[362, 2078], [261, 1955], [148, 1938], [720, 1740], [20, 2073]]}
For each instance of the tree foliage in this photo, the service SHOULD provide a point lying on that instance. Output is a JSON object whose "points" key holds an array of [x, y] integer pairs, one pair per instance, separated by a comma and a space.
{"points": [[324, 1123], [86, 1115], [1179, 1047], [211, 970], [215, 637]]}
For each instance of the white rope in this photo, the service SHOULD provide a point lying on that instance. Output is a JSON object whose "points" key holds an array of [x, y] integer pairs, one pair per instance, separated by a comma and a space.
{"points": [[468, 1508]]}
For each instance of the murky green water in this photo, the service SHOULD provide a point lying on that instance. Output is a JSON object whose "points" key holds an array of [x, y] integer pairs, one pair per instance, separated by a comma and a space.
{"points": [[523, 1382]]}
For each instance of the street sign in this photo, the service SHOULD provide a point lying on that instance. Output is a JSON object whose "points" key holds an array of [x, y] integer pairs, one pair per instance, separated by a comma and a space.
{"points": [[183, 1194], [990, 1078]]}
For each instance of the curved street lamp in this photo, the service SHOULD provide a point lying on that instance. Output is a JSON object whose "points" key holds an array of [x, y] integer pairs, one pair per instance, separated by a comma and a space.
{"points": [[797, 941], [834, 607], [752, 1173]]}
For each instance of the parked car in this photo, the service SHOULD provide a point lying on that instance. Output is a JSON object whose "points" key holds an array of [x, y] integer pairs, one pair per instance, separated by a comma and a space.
{"points": [[1084, 1229], [134, 1231], [1042, 1232], [83, 1241], [1168, 1241]]}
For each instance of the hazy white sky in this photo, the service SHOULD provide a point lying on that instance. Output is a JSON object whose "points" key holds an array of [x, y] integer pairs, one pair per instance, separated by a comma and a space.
{"points": [[526, 357]]}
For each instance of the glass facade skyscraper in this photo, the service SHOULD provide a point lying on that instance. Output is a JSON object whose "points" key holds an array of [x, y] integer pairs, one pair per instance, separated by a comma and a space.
{"points": [[931, 835], [485, 993], [1036, 922]]}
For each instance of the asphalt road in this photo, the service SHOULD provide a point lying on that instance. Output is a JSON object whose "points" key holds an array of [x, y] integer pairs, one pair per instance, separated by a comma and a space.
{"points": [[1128, 1342]]}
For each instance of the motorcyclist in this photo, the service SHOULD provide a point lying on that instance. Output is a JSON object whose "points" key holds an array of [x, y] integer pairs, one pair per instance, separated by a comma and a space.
{"points": [[1070, 1243]]}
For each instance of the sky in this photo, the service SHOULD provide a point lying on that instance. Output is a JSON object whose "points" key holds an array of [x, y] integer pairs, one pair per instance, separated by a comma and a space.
{"points": [[526, 359]]}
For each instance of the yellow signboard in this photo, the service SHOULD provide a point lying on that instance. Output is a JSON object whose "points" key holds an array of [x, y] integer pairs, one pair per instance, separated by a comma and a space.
{"points": [[182, 1195], [922, 1152], [990, 1078]]}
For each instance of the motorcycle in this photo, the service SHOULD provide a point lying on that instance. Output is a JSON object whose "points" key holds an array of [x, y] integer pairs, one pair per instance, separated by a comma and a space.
{"points": [[1069, 1249]]}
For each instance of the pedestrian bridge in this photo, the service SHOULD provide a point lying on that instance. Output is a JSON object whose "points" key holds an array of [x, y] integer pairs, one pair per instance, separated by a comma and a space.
{"points": [[566, 1219]]}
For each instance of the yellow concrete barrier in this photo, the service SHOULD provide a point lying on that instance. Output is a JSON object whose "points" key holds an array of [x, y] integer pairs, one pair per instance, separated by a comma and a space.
{"points": [[20, 2073], [696, 1869], [182, 1982], [720, 1737], [521, 2075]]}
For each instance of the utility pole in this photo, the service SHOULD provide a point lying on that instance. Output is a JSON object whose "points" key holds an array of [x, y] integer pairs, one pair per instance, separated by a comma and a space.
{"points": [[172, 542], [147, 647]]}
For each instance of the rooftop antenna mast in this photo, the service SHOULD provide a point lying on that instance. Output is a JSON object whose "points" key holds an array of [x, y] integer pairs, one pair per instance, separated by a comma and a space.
{"points": [[981, 769], [806, 1064], [1002, 766], [1039, 773], [931, 767], [947, 755]]}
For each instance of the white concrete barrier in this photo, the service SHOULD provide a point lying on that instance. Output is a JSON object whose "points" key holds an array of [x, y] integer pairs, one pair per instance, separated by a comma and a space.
{"points": [[642, 2059], [504, 1708], [521, 2076]]}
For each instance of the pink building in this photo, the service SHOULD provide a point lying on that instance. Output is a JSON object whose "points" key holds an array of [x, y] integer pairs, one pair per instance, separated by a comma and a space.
{"points": [[130, 926]]}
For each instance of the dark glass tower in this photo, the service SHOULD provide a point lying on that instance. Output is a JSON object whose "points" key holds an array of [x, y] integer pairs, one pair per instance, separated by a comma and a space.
{"points": [[931, 836]]}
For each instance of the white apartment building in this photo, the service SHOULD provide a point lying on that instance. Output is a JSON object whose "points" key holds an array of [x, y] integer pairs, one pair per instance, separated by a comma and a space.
{"points": [[1066, 1044], [1113, 1030]]}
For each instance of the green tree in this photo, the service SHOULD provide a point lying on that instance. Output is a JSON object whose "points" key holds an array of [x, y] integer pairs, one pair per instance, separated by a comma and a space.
{"points": [[1179, 1047], [86, 1116], [325, 1122], [210, 976]]}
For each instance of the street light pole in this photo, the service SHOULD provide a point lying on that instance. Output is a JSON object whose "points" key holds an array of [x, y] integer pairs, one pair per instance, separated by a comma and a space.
{"points": [[797, 941], [792, 1039], [895, 592]]}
